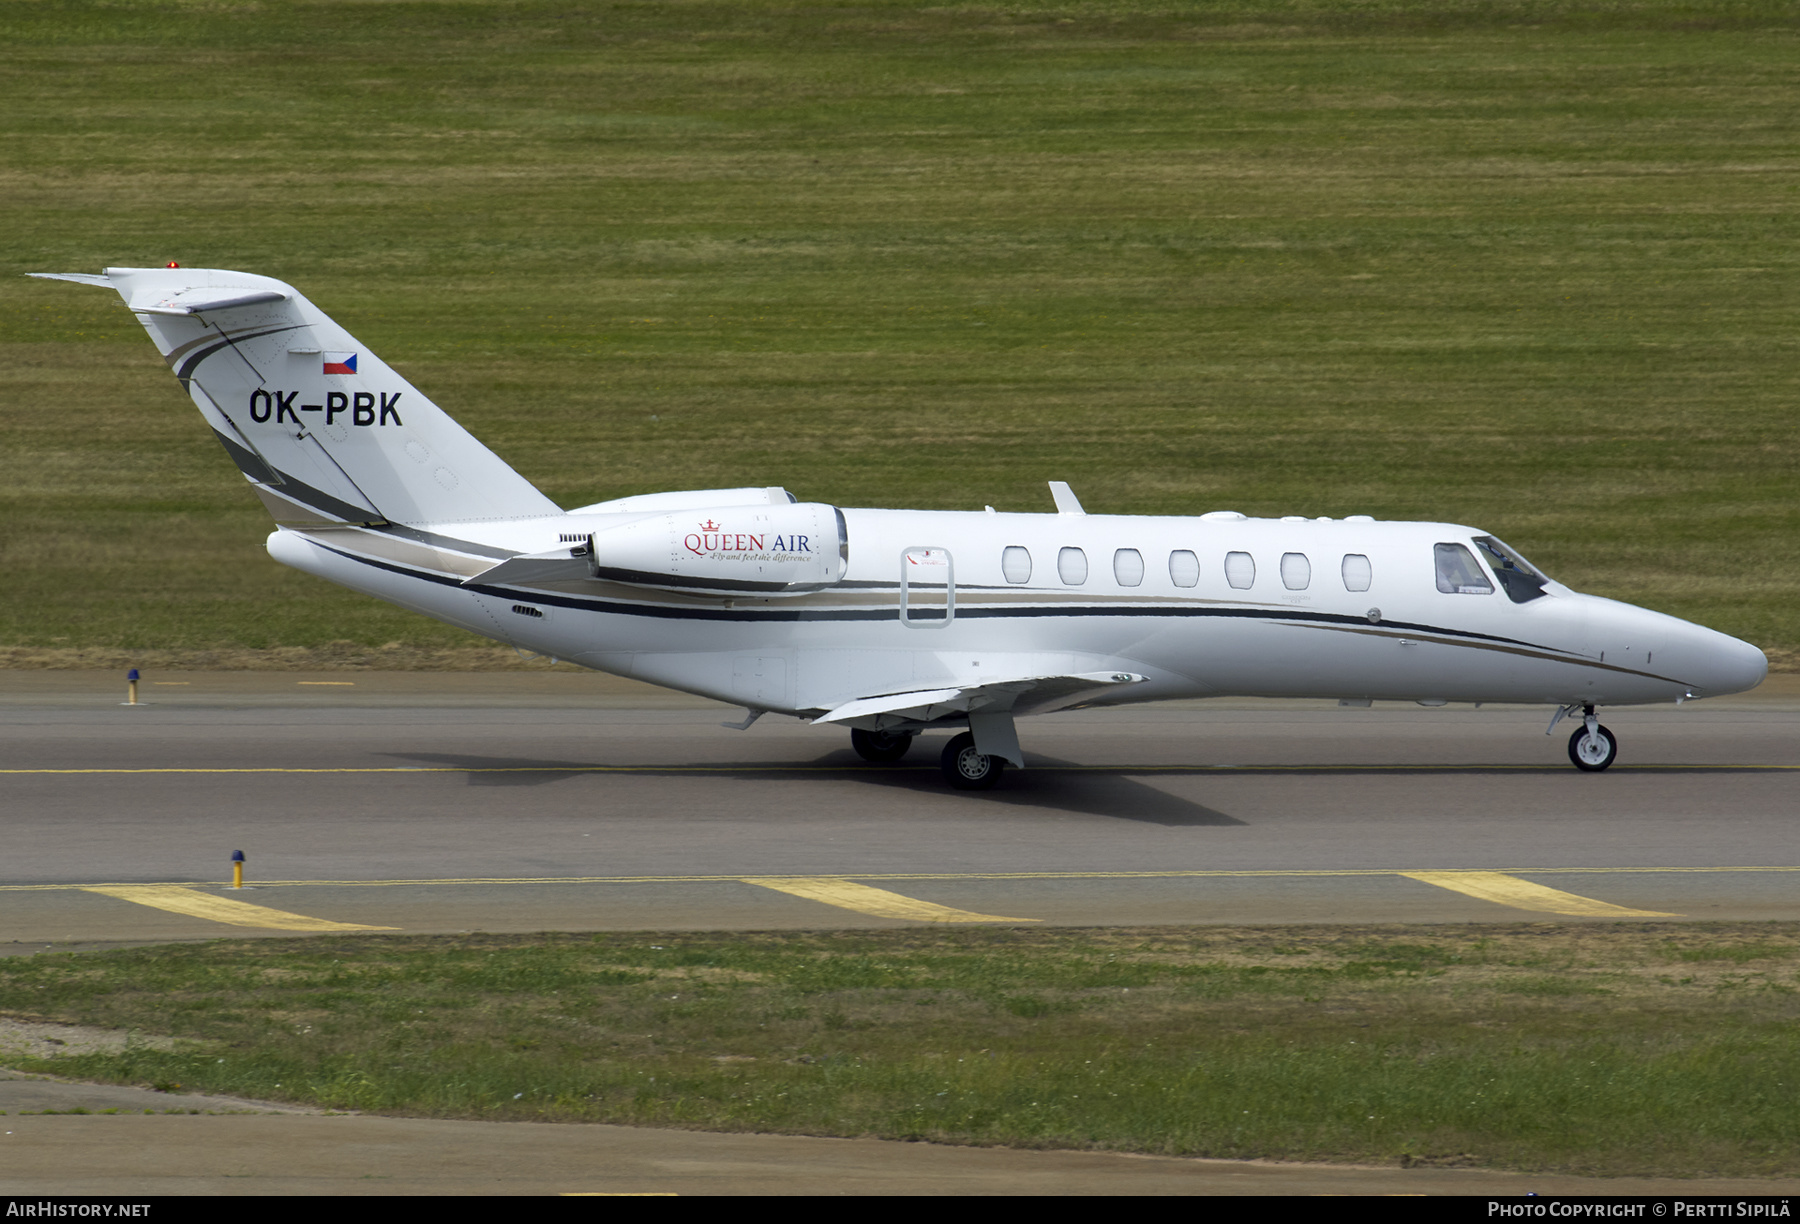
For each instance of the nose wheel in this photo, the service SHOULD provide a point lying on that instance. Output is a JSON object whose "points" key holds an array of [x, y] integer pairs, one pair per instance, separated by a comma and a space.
{"points": [[1592, 750]]}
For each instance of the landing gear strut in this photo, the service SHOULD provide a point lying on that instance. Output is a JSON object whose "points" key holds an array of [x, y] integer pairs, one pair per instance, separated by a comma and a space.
{"points": [[881, 747]]}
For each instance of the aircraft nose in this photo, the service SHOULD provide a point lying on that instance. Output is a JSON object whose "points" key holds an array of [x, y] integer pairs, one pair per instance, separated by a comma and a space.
{"points": [[1723, 664]]}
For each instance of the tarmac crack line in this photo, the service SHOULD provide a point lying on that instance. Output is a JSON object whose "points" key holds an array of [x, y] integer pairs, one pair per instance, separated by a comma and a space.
{"points": [[1503, 889], [179, 899]]}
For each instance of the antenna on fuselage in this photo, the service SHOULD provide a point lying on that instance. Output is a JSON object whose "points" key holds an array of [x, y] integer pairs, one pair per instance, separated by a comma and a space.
{"points": [[1066, 501]]}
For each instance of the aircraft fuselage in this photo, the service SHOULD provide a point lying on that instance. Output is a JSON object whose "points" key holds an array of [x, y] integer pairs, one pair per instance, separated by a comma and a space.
{"points": [[1292, 628]]}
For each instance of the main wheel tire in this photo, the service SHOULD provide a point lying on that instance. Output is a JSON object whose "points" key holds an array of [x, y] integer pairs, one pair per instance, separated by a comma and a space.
{"points": [[881, 747], [1592, 753], [966, 769]]}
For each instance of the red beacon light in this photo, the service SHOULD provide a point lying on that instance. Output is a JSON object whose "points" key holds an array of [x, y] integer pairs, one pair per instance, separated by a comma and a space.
{"points": [[171, 264]]}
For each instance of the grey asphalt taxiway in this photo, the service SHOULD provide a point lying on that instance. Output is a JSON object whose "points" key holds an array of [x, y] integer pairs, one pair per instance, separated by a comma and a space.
{"points": [[557, 800], [522, 801]]}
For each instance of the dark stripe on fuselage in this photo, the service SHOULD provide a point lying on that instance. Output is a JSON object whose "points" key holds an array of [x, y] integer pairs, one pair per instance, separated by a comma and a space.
{"points": [[1528, 652], [609, 573], [1323, 620], [562, 600]]}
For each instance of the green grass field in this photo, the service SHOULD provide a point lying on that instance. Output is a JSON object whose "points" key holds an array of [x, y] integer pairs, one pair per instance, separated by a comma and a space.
{"points": [[1667, 1049], [1527, 264]]}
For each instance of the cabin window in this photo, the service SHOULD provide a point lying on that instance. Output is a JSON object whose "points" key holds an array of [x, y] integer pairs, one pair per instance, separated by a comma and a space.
{"points": [[1356, 572], [1128, 567], [1296, 571], [1184, 568], [1457, 572], [1240, 570], [1520, 579], [1071, 566], [1015, 564]]}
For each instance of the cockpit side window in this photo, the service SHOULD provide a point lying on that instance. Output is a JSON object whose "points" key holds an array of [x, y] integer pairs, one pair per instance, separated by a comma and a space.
{"points": [[1520, 579], [1457, 572]]}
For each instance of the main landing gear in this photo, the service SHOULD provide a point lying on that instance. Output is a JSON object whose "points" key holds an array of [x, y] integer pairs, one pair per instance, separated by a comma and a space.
{"points": [[1592, 748], [881, 747], [965, 768]]}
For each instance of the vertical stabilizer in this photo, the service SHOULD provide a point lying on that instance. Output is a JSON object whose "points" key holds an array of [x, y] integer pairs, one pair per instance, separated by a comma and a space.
{"points": [[322, 428]]}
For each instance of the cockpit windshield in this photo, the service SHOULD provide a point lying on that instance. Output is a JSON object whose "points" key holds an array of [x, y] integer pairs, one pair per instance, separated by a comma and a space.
{"points": [[1522, 581]]}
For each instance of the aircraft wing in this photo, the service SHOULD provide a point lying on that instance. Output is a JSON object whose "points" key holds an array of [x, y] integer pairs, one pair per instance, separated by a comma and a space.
{"points": [[1026, 695]]}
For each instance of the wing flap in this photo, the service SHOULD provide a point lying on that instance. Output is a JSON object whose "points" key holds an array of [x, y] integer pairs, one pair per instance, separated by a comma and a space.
{"points": [[1024, 695]]}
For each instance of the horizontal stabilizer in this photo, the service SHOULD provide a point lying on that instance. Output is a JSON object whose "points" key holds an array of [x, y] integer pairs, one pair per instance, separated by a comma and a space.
{"points": [[199, 301], [80, 278], [1026, 695]]}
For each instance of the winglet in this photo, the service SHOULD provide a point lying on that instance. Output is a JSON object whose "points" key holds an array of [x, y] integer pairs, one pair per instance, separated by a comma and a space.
{"points": [[1066, 501]]}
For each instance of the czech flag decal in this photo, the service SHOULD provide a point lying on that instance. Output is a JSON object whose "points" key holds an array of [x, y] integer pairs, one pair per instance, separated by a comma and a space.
{"points": [[340, 363]]}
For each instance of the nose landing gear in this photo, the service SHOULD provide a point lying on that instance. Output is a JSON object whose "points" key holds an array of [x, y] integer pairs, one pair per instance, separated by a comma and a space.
{"points": [[1592, 748]]}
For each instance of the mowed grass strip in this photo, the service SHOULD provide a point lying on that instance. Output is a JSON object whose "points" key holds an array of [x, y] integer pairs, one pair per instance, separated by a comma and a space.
{"points": [[1524, 264], [1596, 1048]]}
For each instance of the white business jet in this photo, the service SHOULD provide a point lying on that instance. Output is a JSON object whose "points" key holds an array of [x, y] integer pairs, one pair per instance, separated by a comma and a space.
{"points": [[888, 622]]}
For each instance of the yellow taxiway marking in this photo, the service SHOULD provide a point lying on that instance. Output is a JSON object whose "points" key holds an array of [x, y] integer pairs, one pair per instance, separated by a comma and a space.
{"points": [[178, 899], [1202, 874], [1503, 889], [846, 894]]}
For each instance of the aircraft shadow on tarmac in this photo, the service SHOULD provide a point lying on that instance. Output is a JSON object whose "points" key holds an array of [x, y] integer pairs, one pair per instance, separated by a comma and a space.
{"points": [[1108, 793]]}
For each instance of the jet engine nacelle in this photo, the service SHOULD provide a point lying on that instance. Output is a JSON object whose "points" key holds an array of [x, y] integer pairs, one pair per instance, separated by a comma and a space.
{"points": [[728, 550]]}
